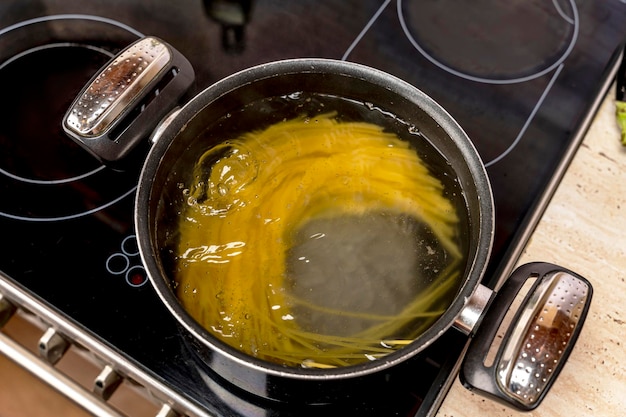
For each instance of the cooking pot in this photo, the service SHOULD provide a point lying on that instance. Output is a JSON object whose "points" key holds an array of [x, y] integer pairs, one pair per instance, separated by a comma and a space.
{"points": [[136, 96]]}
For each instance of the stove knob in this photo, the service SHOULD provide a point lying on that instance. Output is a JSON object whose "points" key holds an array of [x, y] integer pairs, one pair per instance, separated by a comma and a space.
{"points": [[7, 309], [106, 383], [167, 411], [52, 346]]}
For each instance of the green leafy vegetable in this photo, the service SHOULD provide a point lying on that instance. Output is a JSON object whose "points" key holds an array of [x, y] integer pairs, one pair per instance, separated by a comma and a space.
{"points": [[621, 118]]}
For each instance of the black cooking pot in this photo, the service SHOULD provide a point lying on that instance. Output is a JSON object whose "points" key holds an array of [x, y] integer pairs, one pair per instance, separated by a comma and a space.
{"points": [[138, 89]]}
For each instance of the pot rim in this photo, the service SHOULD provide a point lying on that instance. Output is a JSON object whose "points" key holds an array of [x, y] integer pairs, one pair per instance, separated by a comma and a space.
{"points": [[476, 265]]}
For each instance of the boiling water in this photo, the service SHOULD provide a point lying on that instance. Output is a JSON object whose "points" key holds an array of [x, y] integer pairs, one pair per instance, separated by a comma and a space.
{"points": [[366, 265], [344, 284]]}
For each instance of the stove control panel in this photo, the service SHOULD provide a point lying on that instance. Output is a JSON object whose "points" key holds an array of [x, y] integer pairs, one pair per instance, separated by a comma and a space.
{"points": [[127, 263]]}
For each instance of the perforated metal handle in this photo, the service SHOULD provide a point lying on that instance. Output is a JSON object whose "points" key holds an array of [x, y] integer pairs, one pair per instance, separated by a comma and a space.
{"points": [[126, 100], [538, 340]]}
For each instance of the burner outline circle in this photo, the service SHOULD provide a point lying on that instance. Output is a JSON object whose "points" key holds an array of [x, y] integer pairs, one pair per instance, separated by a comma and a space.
{"points": [[29, 22], [23, 54], [44, 19], [575, 21], [70, 216]]}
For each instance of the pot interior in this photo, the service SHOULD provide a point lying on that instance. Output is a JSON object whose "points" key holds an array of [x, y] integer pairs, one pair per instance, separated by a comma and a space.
{"points": [[346, 271]]}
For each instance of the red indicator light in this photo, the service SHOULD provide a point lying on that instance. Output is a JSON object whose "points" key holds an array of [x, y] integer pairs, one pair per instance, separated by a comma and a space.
{"points": [[136, 276]]}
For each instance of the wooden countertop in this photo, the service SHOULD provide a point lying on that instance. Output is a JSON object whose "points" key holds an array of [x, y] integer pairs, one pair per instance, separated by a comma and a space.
{"points": [[583, 229]]}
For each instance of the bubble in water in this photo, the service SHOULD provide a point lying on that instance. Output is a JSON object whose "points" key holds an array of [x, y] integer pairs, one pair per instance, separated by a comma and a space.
{"points": [[222, 189], [414, 130], [295, 96]]}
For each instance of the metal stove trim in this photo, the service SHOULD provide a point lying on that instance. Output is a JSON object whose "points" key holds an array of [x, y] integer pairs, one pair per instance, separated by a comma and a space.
{"points": [[171, 403]]}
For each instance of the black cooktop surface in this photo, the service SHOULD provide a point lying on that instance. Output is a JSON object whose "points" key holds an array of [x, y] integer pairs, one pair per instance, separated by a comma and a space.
{"points": [[519, 77]]}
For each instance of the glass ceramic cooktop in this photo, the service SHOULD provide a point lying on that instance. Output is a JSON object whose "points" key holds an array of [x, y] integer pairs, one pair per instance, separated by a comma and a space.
{"points": [[519, 77]]}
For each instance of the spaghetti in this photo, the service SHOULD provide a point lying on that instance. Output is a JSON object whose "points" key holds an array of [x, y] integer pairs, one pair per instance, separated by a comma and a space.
{"points": [[247, 200]]}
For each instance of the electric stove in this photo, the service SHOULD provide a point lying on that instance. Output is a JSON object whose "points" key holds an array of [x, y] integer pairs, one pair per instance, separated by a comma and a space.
{"points": [[523, 79]]}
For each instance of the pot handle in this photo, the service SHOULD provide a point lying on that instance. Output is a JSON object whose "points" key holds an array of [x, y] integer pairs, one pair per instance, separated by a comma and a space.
{"points": [[536, 344], [126, 100]]}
